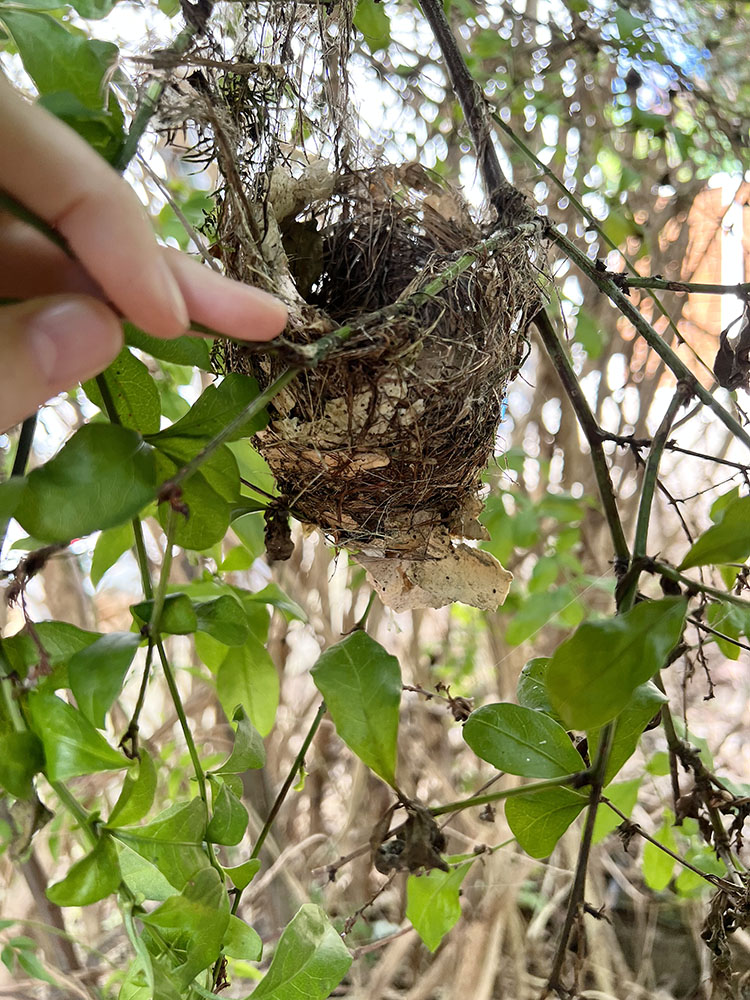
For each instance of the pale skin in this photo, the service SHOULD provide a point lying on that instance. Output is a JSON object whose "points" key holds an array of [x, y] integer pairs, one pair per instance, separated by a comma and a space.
{"points": [[69, 325]]}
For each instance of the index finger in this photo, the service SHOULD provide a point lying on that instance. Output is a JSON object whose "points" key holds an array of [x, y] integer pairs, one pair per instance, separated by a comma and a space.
{"points": [[54, 173]]}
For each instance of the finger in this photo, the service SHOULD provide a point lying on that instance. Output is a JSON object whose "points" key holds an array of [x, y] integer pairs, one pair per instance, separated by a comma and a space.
{"points": [[55, 174], [31, 266], [227, 306], [50, 344]]}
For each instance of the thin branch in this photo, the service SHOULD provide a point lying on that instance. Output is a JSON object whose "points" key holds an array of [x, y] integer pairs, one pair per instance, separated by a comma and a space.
{"points": [[500, 192], [284, 790], [593, 223], [592, 433], [664, 569], [576, 780], [20, 461], [578, 888], [632, 827], [695, 287], [649, 334]]}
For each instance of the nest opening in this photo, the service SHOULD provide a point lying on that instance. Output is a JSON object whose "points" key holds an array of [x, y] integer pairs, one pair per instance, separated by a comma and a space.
{"points": [[383, 444]]}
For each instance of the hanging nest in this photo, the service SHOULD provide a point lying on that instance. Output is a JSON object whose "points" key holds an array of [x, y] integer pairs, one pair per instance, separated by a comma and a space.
{"points": [[382, 444]]}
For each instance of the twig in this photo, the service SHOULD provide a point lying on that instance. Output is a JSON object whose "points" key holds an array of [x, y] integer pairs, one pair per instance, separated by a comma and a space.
{"points": [[20, 461], [500, 192], [578, 888], [719, 635], [290, 778], [632, 827], [649, 334], [627, 593], [592, 433], [664, 569], [200, 15], [577, 780], [695, 287]]}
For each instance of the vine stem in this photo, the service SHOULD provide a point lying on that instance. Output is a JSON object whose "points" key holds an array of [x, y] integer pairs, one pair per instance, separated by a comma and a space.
{"points": [[284, 790], [578, 889], [592, 221], [508, 793], [635, 828], [592, 433], [605, 284], [499, 190], [679, 399], [682, 394], [664, 569]]}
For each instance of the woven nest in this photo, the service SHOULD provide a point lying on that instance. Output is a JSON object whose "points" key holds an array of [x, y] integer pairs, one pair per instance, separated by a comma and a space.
{"points": [[383, 444]]}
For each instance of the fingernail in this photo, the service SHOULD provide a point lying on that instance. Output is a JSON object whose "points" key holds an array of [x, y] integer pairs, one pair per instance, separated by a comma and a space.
{"points": [[171, 294], [73, 340]]}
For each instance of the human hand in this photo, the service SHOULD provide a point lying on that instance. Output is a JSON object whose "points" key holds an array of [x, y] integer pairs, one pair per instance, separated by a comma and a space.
{"points": [[66, 330]]}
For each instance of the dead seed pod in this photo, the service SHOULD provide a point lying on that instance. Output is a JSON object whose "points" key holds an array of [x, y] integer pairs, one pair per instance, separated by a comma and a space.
{"points": [[383, 444]]}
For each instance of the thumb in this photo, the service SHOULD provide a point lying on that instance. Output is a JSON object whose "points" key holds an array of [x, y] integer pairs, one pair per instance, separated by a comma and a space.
{"points": [[48, 345]]}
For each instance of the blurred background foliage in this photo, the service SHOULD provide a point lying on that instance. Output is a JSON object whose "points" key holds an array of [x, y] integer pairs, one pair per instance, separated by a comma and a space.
{"points": [[627, 126]]}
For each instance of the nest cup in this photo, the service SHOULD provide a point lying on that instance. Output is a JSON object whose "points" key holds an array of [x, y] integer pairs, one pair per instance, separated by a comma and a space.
{"points": [[382, 445]]}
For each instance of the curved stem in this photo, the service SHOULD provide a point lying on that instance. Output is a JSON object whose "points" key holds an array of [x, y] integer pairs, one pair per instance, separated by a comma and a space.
{"points": [[284, 790]]}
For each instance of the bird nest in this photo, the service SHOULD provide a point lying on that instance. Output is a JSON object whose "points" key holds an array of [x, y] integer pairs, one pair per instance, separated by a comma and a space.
{"points": [[383, 443]]}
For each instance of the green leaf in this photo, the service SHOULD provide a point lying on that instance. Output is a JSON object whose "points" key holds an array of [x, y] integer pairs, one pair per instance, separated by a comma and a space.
{"points": [[657, 867], [732, 622], [208, 495], [103, 476], [624, 795], [536, 611], [309, 962], [521, 741], [195, 352], [275, 596], [589, 334], [92, 878], [242, 875], [172, 842], [137, 794], [248, 751], [432, 903], [56, 59], [371, 19], [212, 411], [178, 615], [142, 877], [538, 819], [229, 820], [96, 673], [241, 941], [110, 545], [60, 640], [247, 677], [726, 541], [10, 496], [102, 129], [361, 685], [93, 9], [593, 674], [224, 618], [21, 757], [646, 701], [531, 690], [133, 392], [193, 924], [72, 746]]}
